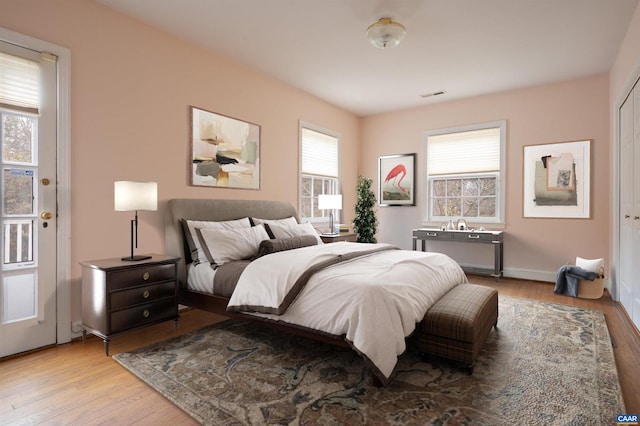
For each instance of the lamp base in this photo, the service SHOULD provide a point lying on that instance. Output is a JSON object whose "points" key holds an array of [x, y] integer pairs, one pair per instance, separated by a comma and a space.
{"points": [[136, 258]]}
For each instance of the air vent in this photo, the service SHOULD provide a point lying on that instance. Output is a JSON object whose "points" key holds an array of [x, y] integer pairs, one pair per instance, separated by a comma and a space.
{"points": [[428, 95]]}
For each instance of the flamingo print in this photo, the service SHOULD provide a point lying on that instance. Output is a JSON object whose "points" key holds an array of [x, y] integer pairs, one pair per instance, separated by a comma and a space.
{"points": [[394, 173]]}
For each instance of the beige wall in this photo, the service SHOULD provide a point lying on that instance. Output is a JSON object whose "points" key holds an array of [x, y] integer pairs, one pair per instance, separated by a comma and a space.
{"points": [[131, 86], [565, 111]]}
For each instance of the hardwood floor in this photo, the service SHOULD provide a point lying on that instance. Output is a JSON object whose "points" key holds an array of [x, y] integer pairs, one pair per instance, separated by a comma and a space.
{"points": [[77, 384]]}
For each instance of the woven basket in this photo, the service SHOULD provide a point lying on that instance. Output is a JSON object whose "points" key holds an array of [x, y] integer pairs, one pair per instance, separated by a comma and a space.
{"points": [[592, 289]]}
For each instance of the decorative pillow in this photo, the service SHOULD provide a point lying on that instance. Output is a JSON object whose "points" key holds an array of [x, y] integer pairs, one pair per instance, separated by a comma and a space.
{"points": [[591, 265], [285, 231], [282, 244], [224, 245], [195, 248]]}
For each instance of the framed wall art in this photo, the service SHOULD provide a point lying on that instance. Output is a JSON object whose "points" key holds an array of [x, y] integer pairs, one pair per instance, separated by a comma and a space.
{"points": [[557, 180], [225, 151], [397, 180]]}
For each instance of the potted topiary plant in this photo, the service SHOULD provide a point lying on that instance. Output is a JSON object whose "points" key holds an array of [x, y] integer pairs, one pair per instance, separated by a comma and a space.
{"points": [[365, 222]]}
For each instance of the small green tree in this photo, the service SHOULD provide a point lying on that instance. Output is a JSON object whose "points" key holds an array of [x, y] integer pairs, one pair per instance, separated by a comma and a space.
{"points": [[365, 222]]}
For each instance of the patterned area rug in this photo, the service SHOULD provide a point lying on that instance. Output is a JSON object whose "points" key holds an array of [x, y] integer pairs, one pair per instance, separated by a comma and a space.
{"points": [[548, 364]]}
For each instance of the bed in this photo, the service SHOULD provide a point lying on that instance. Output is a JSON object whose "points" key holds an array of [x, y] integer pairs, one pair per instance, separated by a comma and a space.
{"points": [[368, 297]]}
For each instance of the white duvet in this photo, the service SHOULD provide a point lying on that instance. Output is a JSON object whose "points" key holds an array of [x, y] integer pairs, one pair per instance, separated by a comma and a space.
{"points": [[375, 300]]}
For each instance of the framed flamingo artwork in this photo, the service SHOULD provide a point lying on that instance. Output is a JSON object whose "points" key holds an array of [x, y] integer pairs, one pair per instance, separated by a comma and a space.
{"points": [[397, 180]]}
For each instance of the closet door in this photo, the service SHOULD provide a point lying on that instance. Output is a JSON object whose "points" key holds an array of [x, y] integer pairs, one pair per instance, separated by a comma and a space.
{"points": [[626, 273]]}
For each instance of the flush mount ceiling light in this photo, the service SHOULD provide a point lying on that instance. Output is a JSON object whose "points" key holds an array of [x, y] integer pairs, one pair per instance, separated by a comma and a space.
{"points": [[385, 33]]}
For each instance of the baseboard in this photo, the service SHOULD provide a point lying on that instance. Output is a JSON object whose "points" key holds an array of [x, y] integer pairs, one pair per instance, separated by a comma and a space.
{"points": [[530, 274], [522, 274], [533, 275]]}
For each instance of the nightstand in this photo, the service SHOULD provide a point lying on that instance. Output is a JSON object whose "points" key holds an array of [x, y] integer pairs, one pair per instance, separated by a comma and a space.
{"points": [[345, 236], [120, 296]]}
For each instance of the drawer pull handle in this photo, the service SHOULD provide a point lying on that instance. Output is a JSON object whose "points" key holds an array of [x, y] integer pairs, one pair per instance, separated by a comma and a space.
{"points": [[145, 276], [145, 294], [146, 313], [432, 234], [474, 237]]}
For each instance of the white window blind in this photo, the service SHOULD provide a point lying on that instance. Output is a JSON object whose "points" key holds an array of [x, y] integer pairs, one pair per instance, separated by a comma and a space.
{"points": [[319, 153], [19, 83], [474, 151]]}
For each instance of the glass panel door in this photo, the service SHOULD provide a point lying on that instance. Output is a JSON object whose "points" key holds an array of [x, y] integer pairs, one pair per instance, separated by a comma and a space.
{"points": [[27, 217]]}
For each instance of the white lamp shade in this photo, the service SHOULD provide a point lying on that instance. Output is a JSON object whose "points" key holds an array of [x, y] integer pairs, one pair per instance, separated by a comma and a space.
{"points": [[330, 202], [129, 196]]}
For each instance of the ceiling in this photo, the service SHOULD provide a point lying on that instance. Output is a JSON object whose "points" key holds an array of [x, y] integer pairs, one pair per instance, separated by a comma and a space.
{"points": [[463, 47]]}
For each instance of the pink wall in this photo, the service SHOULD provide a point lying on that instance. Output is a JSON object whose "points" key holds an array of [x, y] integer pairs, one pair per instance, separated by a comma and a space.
{"points": [[131, 87], [565, 111]]}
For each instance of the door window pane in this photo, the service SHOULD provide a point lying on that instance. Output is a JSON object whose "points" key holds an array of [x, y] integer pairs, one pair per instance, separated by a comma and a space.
{"points": [[18, 241], [18, 132], [18, 191], [19, 297]]}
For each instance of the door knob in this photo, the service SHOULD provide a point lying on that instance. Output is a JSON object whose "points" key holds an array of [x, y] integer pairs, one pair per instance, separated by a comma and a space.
{"points": [[626, 216], [46, 215]]}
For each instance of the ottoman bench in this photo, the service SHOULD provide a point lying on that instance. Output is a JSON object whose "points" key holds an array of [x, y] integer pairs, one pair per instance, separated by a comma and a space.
{"points": [[457, 325]]}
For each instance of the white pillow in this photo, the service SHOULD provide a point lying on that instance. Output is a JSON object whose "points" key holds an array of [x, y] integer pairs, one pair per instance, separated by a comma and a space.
{"points": [[197, 255], [224, 245], [286, 221], [286, 231], [591, 265]]}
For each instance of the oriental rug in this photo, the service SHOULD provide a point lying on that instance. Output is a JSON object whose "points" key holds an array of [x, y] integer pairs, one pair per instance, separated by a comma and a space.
{"points": [[547, 364]]}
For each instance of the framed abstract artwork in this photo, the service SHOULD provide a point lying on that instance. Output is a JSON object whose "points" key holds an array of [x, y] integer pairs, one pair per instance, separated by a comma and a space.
{"points": [[225, 151], [557, 180], [397, 180]]}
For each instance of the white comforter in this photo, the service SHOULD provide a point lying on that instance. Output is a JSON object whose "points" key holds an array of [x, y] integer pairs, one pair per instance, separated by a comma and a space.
{"points": [[375, 300]]}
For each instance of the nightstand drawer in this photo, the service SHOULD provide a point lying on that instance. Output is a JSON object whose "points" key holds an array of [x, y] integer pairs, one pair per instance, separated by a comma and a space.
{"points": [[140, 276], [143, 314], [125, 298]]}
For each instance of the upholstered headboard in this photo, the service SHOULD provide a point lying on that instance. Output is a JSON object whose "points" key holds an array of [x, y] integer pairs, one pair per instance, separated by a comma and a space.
{"points": [[215, 210]]}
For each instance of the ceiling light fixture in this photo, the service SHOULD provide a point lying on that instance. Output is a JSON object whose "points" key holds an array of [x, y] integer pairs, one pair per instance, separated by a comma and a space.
{"points": [[385, 33]]}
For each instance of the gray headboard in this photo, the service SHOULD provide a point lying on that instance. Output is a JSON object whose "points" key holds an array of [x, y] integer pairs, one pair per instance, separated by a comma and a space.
{"points": [[215, 210]]}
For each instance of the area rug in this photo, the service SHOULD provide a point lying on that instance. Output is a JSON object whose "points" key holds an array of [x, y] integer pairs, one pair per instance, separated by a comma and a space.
{"points": [[547, 364]]}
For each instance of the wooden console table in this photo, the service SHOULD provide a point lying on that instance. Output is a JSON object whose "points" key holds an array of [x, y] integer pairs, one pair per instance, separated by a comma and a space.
{"points": [[477, 237]]}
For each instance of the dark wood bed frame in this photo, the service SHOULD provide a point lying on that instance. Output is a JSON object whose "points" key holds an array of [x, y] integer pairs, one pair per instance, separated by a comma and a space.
{"points": [[220, 210]]}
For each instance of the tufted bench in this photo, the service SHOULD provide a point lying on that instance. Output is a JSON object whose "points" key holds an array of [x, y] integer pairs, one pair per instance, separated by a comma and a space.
{"points": [[457, 325]]}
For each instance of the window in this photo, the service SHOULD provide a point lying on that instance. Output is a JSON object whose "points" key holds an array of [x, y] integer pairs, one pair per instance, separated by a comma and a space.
{"points": [[318, 171], [465, 169]]}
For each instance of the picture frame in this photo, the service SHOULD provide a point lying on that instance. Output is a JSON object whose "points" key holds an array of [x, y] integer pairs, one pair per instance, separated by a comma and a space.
{"points": [[557, 180], [225, 151], [397, 180]]}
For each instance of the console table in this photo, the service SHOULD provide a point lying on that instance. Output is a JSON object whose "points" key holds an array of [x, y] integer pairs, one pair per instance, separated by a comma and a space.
{"points": [[477, 237]]}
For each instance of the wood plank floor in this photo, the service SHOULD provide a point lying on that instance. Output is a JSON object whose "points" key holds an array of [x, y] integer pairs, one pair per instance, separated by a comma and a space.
{"points": [[76, 383]]}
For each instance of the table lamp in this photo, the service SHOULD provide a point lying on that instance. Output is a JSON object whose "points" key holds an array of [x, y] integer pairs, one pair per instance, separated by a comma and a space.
{"points": [[330, 202], [134, 196]]}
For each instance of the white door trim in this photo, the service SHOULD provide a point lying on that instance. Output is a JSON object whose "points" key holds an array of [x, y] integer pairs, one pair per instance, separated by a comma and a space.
{"points": [[63, 123]]}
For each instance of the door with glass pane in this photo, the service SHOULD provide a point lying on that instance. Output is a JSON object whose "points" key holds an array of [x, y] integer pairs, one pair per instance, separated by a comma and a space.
{"points": [[28, 204]]}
